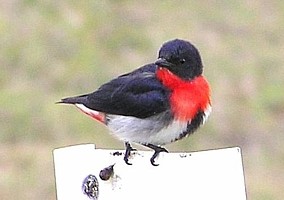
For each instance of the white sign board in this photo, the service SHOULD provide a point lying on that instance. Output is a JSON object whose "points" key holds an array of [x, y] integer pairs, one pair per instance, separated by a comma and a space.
{"points": [[213, 174]]}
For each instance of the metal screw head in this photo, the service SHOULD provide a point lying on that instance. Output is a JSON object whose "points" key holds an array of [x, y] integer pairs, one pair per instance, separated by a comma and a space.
{"points": [[90, 187]]}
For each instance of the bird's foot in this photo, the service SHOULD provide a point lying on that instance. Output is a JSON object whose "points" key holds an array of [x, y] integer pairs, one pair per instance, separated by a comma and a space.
{"points": [[127, 154], [157, 150]]}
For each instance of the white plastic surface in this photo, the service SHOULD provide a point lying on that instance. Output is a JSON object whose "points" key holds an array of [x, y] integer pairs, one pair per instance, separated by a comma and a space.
{"points": [[213, 174]]}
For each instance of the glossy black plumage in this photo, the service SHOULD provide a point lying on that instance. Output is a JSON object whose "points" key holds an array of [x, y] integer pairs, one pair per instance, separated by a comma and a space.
{"points": [[138, 94], [182, 58]]}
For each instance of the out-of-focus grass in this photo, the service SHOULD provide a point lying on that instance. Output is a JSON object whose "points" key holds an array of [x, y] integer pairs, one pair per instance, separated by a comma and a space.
{"points": [[52, 49]]}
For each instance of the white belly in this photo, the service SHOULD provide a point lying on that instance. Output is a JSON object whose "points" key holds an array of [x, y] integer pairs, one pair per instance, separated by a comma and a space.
{"points": [[145, 131]]}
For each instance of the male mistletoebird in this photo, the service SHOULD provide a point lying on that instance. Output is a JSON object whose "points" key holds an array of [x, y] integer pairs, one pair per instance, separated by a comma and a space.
{"points": [[156, 104]]}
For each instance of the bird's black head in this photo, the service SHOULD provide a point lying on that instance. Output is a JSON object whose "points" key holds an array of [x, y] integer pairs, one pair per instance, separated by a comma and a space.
{"points": [[181, 58]]}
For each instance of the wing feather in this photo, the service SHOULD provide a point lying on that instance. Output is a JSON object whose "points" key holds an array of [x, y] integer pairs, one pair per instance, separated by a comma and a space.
{"points": [[137, 94]]}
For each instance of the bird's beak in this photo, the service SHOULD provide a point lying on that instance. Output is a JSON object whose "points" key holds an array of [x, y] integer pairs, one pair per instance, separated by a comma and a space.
{"points": [[161, 62]]}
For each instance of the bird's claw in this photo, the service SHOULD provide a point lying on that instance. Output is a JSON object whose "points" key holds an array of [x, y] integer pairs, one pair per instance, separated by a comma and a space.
{"points": [[156, 154], [127, 154], [157, 150]]}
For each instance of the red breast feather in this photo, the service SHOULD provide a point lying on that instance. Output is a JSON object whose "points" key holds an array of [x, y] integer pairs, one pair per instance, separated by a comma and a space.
{"points": [[187, 96]]}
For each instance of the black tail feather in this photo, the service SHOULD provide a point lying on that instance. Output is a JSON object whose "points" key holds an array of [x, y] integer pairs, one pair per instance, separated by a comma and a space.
{"points": [[74, 100]]}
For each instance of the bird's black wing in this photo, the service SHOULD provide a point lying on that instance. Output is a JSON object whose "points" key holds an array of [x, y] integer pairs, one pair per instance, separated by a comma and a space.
{"points": [[137, 94]]}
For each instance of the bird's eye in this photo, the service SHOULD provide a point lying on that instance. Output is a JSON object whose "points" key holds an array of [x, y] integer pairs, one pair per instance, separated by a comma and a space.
{"points": [[182, 61]]}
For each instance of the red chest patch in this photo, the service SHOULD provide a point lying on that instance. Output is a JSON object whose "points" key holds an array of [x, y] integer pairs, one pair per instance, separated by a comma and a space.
{"points": [[187, 97]]}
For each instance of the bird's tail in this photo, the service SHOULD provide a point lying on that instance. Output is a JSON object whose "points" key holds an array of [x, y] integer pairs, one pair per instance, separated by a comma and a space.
{"points": [[74, 100], [81, 102]]}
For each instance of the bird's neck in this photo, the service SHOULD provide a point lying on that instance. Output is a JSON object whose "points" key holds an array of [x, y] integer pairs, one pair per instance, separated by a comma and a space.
{"points": [[187, 96], [170, 80]]}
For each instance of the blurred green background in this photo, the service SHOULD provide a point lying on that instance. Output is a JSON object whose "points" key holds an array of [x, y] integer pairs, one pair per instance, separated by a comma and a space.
{"points": [[54, 49]]}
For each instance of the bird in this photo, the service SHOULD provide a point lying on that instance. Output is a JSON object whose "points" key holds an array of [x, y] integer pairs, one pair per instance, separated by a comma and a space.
{"points": [[153, 105]]}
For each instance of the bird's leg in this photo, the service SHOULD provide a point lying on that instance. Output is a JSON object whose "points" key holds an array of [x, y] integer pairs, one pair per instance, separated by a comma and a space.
{"points": [[157, 150], [128, 150]]}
